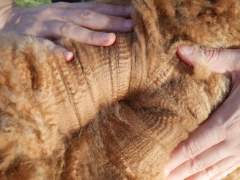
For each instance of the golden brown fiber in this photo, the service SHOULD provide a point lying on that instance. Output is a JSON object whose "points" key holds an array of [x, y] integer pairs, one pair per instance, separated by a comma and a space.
{"points": [[113, 112]]}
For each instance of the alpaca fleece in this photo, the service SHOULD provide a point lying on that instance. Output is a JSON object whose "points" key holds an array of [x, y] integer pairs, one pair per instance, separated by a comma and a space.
{"points": [[113, 112]]}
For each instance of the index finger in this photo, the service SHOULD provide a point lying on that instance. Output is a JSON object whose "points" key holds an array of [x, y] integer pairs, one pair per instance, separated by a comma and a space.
{"points": [[108, 9]]}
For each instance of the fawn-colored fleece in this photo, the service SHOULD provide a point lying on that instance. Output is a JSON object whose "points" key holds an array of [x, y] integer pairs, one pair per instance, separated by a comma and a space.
{"points": [[115, 112]]}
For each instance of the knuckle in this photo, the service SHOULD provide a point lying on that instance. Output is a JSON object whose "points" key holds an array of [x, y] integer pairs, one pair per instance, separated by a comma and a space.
{"points": [[85, 14], [91, 37], [115, 9], [212, 55], [48, 44], [191, 150], [63, 4], [46, 11], [65, 28], [111, 22], [196, 165], [212, 171], [33, 23], [93, 5], [45, 42], [56, 49]]}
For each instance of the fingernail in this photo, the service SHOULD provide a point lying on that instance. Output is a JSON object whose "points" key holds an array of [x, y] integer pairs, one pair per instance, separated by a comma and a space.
{"points": [[105, 36], [68, 55], [128, 9], [128, 24], [186, 50]]}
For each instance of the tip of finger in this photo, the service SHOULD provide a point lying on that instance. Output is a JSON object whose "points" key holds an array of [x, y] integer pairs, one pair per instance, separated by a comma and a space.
{"points": [[185, 50], [108, 39], [128, 9], [68, 55], [185, 53], [127, 12]]}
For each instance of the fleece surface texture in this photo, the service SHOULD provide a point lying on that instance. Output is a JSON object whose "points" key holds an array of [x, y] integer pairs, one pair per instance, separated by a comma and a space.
{"points": [[113, 112]]}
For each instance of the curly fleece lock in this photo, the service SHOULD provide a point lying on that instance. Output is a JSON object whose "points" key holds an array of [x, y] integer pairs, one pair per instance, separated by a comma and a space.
{"points": [[113, 112]]}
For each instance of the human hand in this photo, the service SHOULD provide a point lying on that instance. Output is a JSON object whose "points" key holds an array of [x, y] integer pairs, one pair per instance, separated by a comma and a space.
{"points": [[213, 150], [84, 22]]}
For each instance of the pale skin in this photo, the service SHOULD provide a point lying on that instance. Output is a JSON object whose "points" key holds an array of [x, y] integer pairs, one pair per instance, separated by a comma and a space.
{"points": [[83, 22], [213, 150]]}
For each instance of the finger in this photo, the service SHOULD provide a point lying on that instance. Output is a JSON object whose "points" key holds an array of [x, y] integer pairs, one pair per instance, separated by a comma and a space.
{"points": [[52, 47], [203, 138], [95, 21], [201, 162], [67, 29], [228, 171], [112, 10], [219, 60], [216, 169]]}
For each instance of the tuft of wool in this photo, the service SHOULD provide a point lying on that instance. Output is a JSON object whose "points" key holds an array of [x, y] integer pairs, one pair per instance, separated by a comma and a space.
{"points": [[113, 112]]}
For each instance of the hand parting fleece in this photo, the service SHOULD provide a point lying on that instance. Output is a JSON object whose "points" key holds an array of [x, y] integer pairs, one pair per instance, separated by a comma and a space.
{"points": [[115, 112]]}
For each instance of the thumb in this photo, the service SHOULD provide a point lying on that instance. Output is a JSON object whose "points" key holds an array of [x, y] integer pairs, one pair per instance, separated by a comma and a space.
{"points": [[224, 61]]}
